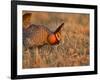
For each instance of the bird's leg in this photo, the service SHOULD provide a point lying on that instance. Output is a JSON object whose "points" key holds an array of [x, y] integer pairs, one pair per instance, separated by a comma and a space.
{"points": [[27, 58], [37, 52], [38, 59], [36, 55]]}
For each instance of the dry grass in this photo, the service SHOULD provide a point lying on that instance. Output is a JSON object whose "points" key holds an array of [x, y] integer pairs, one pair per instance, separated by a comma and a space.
{"points": [[73, 50]]}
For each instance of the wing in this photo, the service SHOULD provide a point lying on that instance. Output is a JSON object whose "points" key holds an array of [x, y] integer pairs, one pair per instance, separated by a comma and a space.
{"points": [[35, 35]]}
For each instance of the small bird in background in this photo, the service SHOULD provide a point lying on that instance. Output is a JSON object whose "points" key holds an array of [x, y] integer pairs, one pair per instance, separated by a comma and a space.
{"points": [[26, 20], [35, 36]]}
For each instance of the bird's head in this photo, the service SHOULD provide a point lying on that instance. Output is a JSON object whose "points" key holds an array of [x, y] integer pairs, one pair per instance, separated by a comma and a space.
{"points": [[55, 37]]}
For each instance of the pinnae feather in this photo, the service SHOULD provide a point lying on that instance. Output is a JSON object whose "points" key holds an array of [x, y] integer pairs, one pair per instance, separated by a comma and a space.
{"points": [[59, 28]]}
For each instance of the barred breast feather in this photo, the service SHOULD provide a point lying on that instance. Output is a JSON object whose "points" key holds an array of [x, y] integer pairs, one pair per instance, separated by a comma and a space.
{"points": [[35, 35]]}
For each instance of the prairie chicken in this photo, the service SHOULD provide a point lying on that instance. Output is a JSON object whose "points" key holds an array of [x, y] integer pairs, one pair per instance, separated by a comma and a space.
{"points": [[35, 36], [38, 35]]}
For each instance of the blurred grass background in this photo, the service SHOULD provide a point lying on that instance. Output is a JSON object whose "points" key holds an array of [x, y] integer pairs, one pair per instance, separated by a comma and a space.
{"points": [[73, 50]]}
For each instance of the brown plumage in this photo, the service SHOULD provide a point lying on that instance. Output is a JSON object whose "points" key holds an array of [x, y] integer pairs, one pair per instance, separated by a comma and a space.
{"points": [[38, 35], [35, 36]]}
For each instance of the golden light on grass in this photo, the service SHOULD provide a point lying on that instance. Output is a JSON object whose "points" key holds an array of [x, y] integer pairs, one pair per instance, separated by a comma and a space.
{"points": [[73, 49]]}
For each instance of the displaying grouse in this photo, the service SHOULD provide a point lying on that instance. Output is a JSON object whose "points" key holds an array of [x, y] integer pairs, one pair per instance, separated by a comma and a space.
{"points": [[39, 35]]}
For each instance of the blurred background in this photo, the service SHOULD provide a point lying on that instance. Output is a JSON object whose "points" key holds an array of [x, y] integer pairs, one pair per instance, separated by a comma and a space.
{"points": [[73, 49]]}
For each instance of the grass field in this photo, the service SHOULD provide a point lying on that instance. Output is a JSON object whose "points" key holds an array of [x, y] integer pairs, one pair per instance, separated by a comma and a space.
{"points": [[73, 49]]}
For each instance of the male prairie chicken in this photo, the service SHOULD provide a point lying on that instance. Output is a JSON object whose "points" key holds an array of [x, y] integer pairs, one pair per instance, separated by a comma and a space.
{"points": [[35, 36], [38, 35]]}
